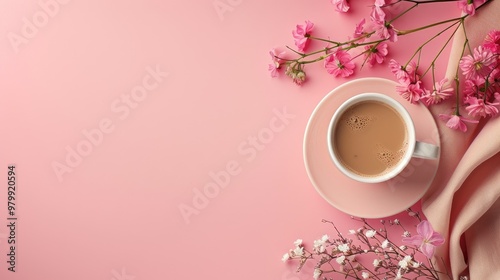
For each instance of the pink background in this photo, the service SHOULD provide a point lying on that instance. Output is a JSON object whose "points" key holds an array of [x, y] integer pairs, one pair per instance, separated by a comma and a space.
{"points": [[116, 214]]}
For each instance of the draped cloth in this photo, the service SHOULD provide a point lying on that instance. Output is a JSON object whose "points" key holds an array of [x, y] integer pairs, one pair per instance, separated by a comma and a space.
{"points": [[463, 202]]}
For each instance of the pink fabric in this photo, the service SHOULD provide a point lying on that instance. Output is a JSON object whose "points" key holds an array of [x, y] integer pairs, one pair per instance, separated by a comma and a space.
{"points": [[463, 202]]}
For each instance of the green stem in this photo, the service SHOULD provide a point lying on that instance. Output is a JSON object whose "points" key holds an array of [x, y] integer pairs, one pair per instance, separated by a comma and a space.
{"points": [[403, 13], [324, 40], [444, 46], [429, 1], [374, 47], [354, 42], [457, 81], [301, 61], [405, 32], [465, 34], [299, 53]]}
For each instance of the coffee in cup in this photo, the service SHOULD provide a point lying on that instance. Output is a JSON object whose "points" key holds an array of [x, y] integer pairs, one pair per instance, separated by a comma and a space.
{"points": [[371, 138]]}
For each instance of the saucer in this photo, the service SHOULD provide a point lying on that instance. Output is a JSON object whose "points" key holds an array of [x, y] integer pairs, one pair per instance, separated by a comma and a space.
{"points": [[367, 200]]}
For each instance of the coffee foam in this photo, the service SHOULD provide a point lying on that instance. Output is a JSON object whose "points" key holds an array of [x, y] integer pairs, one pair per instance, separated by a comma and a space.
{"points": [[358, 122], [390, 157]]}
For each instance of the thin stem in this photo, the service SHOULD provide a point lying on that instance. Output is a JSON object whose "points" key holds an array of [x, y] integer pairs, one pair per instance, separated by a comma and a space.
{"points": [[416, 214], [429, 1], [327, 49], [339, 234], [324, 40], [403, 13], [405, 32], [465, 34], [444, 46], [371, 49], [299, 53], [457, 80]]}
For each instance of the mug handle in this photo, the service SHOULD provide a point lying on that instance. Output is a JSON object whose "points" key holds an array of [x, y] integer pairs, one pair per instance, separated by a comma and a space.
{"points": [[425, 150]]}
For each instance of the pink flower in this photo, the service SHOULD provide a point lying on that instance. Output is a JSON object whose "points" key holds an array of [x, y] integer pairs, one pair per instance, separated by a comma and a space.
{"points": [[376, 53], [494, 78], [478, 65], [276, 62], [301, 35], [469, 6], [470, 89], [383, 29], [410, 86], [340, 63], [427, 239], [442, 90], [410, 91], [480, 88], [273, 70], [379, 3], [377, 15], [387, 31], [456, 122], [341, 6], [478, 107], [359, 31], [492, 41], [398, 70], [404, 74]]}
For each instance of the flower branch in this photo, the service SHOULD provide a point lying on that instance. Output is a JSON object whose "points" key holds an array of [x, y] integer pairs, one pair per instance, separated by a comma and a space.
{"points": [[371, 254], [480, 68]]}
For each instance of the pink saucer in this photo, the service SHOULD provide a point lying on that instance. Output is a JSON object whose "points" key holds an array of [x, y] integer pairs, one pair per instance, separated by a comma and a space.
{"points": [[361, 199]]}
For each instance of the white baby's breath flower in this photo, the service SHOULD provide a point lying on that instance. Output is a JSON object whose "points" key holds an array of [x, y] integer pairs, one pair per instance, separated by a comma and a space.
{"points": [[398, 275], [384, 244], [319, 245], [365, 275], [370, 233], [404, 262], [285, 257], [416, 265], [340, 260], [402, 247], [396, 221], [298, 242], [376, 262], [298, 251], [325, 238], [343, 248], [317, 273], [351, 231], [406, 234]]}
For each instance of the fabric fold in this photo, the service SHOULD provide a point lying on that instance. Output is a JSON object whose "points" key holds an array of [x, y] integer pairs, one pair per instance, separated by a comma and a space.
{"points": [[463, 202]]}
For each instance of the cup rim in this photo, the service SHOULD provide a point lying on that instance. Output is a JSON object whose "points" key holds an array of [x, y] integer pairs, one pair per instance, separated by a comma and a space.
{"points": [[410, 136]]}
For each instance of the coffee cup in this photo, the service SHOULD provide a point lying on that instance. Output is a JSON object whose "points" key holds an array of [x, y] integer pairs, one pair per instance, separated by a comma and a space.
{"points": [[371, 138]]}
